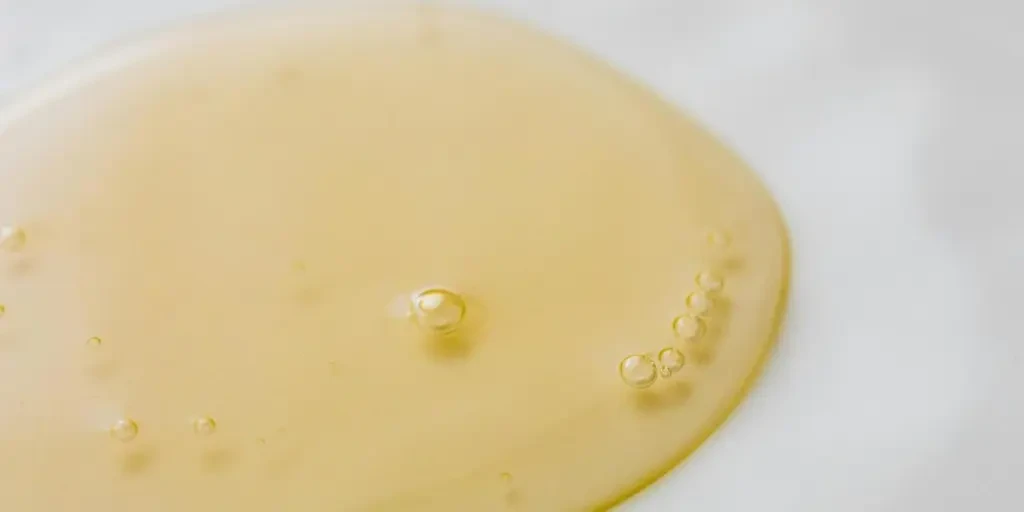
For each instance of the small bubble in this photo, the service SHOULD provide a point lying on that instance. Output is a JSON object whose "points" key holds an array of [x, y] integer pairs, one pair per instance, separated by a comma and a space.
{"points": [[638, 371], [689, 327], [12, 238], [698, 303], [709, 281], [124, 430], [438, 309], [718, 239], [671, 360], [204, 426], [94, 341]]}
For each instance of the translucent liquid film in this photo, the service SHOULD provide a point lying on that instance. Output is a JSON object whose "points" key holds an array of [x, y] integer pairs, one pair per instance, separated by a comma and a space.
{"points": [[408, 259]]}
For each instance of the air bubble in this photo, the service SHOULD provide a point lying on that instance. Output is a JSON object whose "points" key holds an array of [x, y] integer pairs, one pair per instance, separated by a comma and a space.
{"points": [[709, 281], [698, 303], [438, 309], [671, 360], [638, 371], [204, 426], [12, 238], [689, 327], [124, 430]]}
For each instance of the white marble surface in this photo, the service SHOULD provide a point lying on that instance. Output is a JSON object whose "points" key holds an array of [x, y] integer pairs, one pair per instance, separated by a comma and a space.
{"points": [[890, 132]]}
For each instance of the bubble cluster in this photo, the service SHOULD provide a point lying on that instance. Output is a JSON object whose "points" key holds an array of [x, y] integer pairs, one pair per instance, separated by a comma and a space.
{"points": [[438, 309], [638, 371], [641, 371], [124, 430]]}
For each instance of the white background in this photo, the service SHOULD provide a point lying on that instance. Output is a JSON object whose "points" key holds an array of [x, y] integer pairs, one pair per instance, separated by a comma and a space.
{"points": [[890, 132]]}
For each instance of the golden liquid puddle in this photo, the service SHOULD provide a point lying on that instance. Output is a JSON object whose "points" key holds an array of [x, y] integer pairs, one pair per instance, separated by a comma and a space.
{"points": [[411, 259]]}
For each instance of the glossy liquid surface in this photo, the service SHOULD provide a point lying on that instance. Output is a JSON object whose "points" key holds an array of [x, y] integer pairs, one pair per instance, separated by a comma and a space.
{"points": [[206, 237]]}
